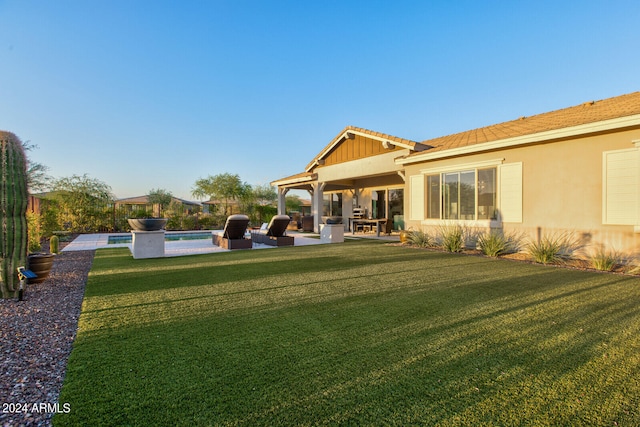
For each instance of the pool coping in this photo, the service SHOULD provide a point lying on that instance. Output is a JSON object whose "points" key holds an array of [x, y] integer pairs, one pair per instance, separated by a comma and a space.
{"points": [[87, 242]]}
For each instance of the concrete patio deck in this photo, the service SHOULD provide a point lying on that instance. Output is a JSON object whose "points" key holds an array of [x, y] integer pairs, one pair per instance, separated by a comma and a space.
{"points": [[86, 242]]}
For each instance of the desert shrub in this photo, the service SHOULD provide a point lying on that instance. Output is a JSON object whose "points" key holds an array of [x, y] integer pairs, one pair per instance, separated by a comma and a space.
{"points": [[49, 214], [421, 239], [174, 222], [452, 237], [141, 213], [206, 222], [495, 243], [188, 222], [34, 234], [552, 249], [605, 260], [84, 204]]}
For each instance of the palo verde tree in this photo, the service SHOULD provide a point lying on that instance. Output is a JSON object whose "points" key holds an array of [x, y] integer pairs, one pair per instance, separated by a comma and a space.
{"points": [[226, 188], [13, 212], [85, 204]]}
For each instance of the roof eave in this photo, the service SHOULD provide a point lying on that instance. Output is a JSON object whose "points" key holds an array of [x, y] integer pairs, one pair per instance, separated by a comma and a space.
{"points": [[295, 180], [571, 131]]}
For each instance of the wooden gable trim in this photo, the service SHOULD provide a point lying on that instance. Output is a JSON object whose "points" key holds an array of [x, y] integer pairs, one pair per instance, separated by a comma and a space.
{"points": [[360, 143], [357, 147]]}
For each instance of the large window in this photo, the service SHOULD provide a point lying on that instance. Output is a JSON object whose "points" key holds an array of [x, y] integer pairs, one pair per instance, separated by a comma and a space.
{"points": [[462, 195], [487, 194], [433, 196], [396, 208]]}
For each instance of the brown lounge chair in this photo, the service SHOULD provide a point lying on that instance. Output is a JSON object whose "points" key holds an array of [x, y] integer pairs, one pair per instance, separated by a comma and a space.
{"points": [[232, 237], [274, 235]]}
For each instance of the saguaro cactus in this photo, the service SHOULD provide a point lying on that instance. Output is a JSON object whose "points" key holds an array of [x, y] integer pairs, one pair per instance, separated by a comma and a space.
{"points": [[13, 212]]}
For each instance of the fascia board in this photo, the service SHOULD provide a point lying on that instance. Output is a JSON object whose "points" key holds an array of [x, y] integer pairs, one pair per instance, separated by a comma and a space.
{"points": [[297, 180]]}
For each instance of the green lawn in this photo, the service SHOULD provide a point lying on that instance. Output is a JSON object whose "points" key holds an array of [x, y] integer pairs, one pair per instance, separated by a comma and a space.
{"points": [[360, 333]]}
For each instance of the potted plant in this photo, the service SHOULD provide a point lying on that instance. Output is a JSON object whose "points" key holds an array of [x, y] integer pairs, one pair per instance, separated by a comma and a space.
{"points": [[39, 262]]}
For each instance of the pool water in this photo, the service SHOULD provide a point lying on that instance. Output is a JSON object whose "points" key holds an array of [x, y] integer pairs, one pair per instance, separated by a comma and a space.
{"points": [[169, 237]]}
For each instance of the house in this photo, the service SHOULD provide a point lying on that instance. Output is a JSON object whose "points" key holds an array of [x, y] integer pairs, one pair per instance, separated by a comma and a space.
{"points": [[572, 170]]}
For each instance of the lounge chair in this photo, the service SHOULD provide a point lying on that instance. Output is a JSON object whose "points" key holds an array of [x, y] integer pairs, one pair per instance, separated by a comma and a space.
{"points": [[275, 233], [232, 237]]}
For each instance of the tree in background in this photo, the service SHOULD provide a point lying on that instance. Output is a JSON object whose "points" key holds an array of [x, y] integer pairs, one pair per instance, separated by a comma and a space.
{"points": [[161, 198], [225, 187], [84, 204], [293, 203], [264, 198], [37, 178]]}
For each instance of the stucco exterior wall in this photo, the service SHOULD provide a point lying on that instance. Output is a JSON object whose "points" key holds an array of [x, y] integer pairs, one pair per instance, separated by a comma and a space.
{"points": [[562, 189]]}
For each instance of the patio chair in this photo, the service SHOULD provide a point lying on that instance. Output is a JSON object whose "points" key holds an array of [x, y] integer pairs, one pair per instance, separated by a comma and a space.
{"points": [[232, 236], [275, 233]]}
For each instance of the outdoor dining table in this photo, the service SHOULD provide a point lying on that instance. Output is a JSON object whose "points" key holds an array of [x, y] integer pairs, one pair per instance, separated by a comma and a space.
{"points": [[378, 222]]}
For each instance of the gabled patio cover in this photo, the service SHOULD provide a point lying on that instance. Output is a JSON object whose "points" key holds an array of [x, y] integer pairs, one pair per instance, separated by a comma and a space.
{"points": [[355, 158]]}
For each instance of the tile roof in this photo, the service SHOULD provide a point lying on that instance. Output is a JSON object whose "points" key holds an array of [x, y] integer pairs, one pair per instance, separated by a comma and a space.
{"points": [[588, 112], [583, 114]]}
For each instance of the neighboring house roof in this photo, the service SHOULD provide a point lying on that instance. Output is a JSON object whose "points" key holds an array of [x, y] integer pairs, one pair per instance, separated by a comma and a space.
{"points": [[543, 124], [138, 200]]}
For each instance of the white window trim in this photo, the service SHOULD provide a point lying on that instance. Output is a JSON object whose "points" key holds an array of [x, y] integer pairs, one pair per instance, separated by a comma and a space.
{"points": [[466, 167], [463, 167], [477, 223]]}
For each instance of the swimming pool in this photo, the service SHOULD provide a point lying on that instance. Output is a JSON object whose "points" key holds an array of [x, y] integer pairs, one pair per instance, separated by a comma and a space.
{"points": [[168, 237]]}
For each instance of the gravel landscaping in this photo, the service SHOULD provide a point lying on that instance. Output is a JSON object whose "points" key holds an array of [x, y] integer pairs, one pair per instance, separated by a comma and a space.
{"points": [[36, 339]]}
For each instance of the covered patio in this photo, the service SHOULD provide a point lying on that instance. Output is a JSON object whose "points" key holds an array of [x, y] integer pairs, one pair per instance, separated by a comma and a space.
{"points": [[355, 177]]}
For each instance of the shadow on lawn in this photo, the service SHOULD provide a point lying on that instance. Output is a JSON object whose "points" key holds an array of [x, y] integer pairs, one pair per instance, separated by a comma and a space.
{"points": [[536, 345], [115, 272]]}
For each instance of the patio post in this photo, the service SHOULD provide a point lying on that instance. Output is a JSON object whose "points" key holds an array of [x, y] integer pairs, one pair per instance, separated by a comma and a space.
{"points": [[316, 204], [282, 201]]}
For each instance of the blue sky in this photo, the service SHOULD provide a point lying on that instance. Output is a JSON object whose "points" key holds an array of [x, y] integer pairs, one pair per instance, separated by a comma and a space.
{"points": [[156, 94]]}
